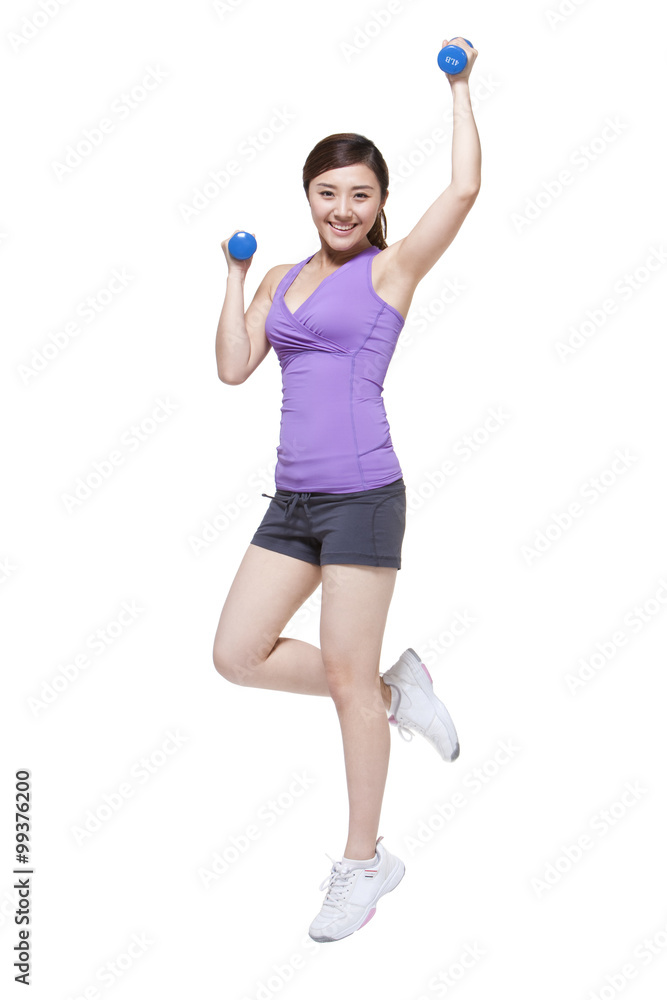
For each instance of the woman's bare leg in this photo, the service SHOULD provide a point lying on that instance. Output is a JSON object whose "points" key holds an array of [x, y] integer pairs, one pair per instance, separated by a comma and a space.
{"points": [[353, 618], [266, 592]]}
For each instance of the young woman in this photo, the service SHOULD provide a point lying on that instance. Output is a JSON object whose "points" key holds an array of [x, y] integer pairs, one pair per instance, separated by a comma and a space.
{"points": [[338, 514]]}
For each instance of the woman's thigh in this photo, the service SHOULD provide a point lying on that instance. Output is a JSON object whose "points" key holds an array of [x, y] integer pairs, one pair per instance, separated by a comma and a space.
{"points": [[266, 592], [355, 605]]}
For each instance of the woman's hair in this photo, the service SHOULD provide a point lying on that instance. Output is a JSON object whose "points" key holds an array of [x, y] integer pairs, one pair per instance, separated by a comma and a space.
{"points": [[343, 150]]}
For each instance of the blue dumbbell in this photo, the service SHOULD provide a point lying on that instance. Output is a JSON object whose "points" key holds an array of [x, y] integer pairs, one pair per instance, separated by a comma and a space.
{"points": [[453, 59], [242, 245]]}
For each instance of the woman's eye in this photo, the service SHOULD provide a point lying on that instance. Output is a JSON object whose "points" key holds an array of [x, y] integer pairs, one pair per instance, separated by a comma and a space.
{"points": [[360, 193]]}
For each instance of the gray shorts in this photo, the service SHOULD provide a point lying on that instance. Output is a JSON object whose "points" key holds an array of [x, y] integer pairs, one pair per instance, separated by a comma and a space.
{"points": [[365, 528]]}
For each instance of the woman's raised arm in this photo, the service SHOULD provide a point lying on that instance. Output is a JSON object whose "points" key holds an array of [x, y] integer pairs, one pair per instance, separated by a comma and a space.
{"points": [[427, 241]]}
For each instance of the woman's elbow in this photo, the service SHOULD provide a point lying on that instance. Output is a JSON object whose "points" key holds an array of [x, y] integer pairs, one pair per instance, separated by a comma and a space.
{"points": [[229, 379]]}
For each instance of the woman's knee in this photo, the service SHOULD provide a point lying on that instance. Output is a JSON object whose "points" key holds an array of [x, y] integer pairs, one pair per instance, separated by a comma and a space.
{"points": [[349, 680], [234, 665]]}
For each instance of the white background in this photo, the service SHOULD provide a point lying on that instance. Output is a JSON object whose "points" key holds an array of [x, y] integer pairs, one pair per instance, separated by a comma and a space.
{"points": [[544, 93]]}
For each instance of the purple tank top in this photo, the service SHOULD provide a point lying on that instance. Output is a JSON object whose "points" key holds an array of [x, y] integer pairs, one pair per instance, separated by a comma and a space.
{"points": [[334, 352]]}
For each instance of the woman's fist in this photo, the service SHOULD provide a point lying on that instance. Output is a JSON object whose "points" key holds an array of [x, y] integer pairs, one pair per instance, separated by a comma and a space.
{"points": [[470, 52]]}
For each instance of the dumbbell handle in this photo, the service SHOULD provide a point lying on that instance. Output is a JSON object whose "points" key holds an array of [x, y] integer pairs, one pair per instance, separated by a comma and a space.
{"points": [[453, 59]]}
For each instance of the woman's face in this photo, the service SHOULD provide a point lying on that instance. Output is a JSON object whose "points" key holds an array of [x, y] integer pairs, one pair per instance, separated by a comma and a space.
{"points": [[347, 198]]}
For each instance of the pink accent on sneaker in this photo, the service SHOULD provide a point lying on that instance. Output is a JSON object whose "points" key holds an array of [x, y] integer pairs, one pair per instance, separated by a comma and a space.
{"points": [[427, 673], [367, 918], [392, 718]]}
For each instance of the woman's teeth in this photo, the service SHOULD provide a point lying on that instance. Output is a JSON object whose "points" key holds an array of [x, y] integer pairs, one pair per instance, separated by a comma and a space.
{"points": [[341, 229]]}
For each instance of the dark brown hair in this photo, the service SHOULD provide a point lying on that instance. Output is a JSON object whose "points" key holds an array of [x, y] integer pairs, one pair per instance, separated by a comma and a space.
{"points": [[343, 149]]}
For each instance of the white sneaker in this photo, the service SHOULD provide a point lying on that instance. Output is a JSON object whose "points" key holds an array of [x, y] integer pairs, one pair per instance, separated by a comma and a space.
{"points": [[415, 706], [352, 894]]}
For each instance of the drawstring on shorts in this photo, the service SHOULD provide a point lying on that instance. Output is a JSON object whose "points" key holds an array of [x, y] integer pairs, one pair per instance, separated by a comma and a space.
{"points": [[290, 503]]}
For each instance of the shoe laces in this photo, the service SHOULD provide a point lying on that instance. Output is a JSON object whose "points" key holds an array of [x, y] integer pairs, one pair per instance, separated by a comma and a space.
{"points": [[404, 732], [338, 882]]}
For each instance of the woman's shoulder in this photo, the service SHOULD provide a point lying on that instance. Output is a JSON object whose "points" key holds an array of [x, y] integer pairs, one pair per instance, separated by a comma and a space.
{"points": [[275, 275]]}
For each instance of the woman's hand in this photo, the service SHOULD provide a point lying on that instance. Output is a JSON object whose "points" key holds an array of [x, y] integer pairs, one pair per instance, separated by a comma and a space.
{"points": [[471, 54], [234, 265]]}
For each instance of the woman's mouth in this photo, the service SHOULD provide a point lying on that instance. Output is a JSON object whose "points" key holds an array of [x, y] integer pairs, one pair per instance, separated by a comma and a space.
{"points": [[341, 229]]}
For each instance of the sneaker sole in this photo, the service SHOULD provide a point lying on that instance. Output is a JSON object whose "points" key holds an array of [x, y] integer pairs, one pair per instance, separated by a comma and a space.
{"points": [[392, 881], [418, 671]]}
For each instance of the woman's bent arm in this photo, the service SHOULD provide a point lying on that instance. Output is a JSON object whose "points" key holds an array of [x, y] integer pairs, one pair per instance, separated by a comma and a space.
{"points": [[240, 343]]}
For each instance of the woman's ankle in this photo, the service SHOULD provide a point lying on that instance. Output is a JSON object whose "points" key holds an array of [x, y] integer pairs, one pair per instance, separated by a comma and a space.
{"points": [[360, 855], [386, 694]]}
